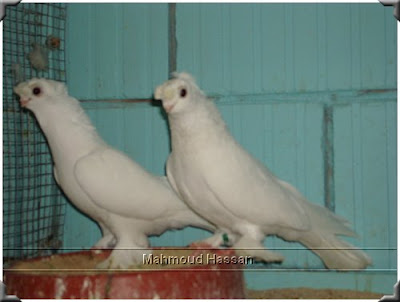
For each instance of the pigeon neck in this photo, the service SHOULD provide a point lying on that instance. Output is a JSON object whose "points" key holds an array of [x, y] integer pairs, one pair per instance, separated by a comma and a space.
{"points": [[68, 130], [204, 123]]}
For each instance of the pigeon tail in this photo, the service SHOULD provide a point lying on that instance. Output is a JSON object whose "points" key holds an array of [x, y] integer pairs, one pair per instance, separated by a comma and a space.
{"points": [[334, 252]]}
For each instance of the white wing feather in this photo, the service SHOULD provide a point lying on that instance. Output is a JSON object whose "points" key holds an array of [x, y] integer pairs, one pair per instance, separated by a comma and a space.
{"points": [[121, 186], [248, 190]]}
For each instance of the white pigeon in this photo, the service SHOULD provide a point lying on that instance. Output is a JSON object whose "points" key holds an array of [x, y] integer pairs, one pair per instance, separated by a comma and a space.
{"points": [[128, 202], [227, 186]]}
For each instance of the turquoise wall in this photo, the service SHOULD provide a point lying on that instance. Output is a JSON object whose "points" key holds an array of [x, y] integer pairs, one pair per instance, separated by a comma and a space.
{"points": [[309, 89]]}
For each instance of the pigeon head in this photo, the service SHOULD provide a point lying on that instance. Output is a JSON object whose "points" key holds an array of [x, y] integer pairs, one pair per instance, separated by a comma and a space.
{"points": [[39, 92], [179, 93]]}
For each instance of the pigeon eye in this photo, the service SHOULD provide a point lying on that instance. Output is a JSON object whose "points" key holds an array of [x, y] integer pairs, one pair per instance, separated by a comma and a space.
{"points": [[36, 90], [183, 92]]}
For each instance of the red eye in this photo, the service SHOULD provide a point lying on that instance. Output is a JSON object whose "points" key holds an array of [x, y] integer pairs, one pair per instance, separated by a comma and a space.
{"points": [[183, 92], [36, 91]]}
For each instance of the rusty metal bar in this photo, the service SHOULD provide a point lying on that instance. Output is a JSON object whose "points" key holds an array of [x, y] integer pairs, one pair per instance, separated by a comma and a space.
{"points": [[172, 42], [328, 149]]}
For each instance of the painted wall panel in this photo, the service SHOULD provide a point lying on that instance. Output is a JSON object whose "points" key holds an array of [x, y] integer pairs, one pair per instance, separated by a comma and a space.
{"points": [[144, 54], [242, 36], [390, 49], [286, 47], [305, 50], [235, 48], [79, 54], [391, 151], [372, 53], [272, 44], [338, 52], [106, 50], [364, 174], [116, 50]]}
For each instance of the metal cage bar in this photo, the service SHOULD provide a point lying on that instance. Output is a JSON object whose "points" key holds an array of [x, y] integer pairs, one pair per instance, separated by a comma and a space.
{"points": [[33, 205]]}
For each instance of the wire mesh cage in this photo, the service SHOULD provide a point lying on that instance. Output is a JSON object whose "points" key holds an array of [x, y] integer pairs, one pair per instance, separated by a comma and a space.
{"points": [[33, 205]]}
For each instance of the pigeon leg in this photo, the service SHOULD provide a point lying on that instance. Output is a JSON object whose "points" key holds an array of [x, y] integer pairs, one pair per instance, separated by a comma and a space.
{"points": [[215, 241], [126, 253], [107, 241], [219, 238], [247, 246]]}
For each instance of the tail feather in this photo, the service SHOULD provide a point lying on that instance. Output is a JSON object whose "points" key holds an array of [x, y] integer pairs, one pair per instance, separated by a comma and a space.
{"points": [[334, 252], [320, 217], [325, 220], [322, 239]]}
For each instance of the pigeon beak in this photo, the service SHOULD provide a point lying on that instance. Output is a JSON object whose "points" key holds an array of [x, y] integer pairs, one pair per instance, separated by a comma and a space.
{"points": [[24, 101], [168, 107], [165, 95]]}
